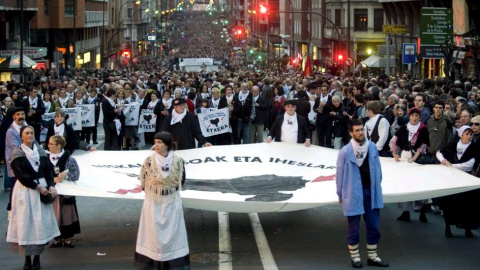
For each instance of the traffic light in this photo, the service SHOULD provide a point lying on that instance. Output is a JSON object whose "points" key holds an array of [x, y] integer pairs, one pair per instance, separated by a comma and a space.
{"points": [[238, 32], [340, 57], [263, 11], [126, 54]]}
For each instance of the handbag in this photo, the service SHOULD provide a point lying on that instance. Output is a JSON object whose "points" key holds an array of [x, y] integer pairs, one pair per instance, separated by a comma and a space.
{"points": [[46, 199]]}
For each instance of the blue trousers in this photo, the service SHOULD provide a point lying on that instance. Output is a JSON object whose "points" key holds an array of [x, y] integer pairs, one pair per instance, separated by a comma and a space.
{"points": [[244, 130], [372, 222]]}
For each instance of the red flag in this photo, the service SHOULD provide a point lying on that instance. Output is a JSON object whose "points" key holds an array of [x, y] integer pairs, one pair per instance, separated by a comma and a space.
{"points": [[308, 67]]}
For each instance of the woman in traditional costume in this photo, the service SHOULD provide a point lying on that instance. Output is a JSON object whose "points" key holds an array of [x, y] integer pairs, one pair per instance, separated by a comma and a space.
{"points": [[162, 236]]}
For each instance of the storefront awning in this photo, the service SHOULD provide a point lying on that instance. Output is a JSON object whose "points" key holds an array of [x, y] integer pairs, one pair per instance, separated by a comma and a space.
{"points": [[372, 61]]}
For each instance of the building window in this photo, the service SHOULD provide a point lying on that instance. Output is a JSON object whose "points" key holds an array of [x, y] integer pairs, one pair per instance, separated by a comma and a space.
{"points": [[378, 20], [45, 7], [338, 17], [361, 19], [129, 13], [69, 8], [329, 16]]}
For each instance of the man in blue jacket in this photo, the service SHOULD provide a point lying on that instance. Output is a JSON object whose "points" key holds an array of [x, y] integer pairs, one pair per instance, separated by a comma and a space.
{"points": [[359, 178]]}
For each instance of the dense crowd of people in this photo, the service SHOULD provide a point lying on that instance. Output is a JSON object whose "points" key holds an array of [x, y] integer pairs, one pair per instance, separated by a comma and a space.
{"points": [[428, 121]]}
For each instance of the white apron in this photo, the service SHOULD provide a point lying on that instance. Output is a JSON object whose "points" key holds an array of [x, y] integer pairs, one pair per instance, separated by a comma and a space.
{"points": [[32, 222], [162, 235]]}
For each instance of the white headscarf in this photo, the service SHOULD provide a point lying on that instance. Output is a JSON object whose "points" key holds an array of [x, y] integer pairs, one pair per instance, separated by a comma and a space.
{"points": [[32, 155]]}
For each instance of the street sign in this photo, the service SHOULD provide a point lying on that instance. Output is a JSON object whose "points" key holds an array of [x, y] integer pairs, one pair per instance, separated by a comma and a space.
{"points": [[395, 29], [409, 53], [348, 61], [151, 38], [436, 26], [431, 52]]}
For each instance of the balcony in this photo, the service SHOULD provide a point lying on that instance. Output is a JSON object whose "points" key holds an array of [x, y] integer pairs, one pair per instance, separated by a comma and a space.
{"points": [[95, 18], [370, 34]]}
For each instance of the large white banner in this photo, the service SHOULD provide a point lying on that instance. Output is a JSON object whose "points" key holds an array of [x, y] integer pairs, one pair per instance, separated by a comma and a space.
{"points": [[47, 121], [74, 117], [131, 112], [88, 114], [147, 121], [195, 61], [259, 177], [214, 122]]}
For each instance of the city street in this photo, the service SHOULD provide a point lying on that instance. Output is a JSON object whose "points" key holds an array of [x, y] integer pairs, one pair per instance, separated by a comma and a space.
{"points": [[309, 239]]}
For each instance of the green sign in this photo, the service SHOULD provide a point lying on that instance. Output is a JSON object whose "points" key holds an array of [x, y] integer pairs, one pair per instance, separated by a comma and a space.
{"points": [[436, 26]]}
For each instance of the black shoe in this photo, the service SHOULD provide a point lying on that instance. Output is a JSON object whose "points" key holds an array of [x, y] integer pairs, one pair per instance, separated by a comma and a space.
{"points": [[375, 263], [448, 233], [405, 216], [36, 263], [68, 244], [468, 234], [357, 264], [95, 142], [56, 244], [423, 218], [28, 263]]}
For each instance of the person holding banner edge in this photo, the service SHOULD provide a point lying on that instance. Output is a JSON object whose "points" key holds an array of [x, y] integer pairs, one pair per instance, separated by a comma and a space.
{"points": [[290, 127]]}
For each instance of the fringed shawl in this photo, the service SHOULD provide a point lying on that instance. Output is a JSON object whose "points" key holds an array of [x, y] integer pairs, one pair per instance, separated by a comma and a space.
{"points": [[154, 184]]}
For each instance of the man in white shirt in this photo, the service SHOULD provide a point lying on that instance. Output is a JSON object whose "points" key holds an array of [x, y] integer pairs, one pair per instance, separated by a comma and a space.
{"points": [[377, 128], [290, 127]]}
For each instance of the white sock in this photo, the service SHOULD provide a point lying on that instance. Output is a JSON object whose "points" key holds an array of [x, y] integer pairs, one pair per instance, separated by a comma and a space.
{"points": [[354, 253], [372, 253]]}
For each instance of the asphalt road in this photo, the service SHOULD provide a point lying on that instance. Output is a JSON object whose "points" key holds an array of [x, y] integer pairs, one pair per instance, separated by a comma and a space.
{"points": [[308, 239]]}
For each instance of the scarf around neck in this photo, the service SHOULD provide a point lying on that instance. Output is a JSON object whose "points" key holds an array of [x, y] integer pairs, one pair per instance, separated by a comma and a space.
{"points": [[152, 104], [47, 105], [177, 117], [33, 102], [412, 130], [32, 155], [63, 101], [110, 101], [55, 157], [59, 130], [167, 103], [360, 151], [164, 164]]}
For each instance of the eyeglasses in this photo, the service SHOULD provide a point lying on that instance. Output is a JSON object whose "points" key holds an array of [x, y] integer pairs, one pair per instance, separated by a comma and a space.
{"points": [[475, 124]]}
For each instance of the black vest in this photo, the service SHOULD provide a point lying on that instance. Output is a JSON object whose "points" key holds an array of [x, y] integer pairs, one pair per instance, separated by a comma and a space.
{"points": [[374, 137], [365, 173], [61, 164]]}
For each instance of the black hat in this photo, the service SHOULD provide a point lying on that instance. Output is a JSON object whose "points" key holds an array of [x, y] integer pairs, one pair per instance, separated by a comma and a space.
{"points": [[178, 101], [13, 110], [290, 102]]}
